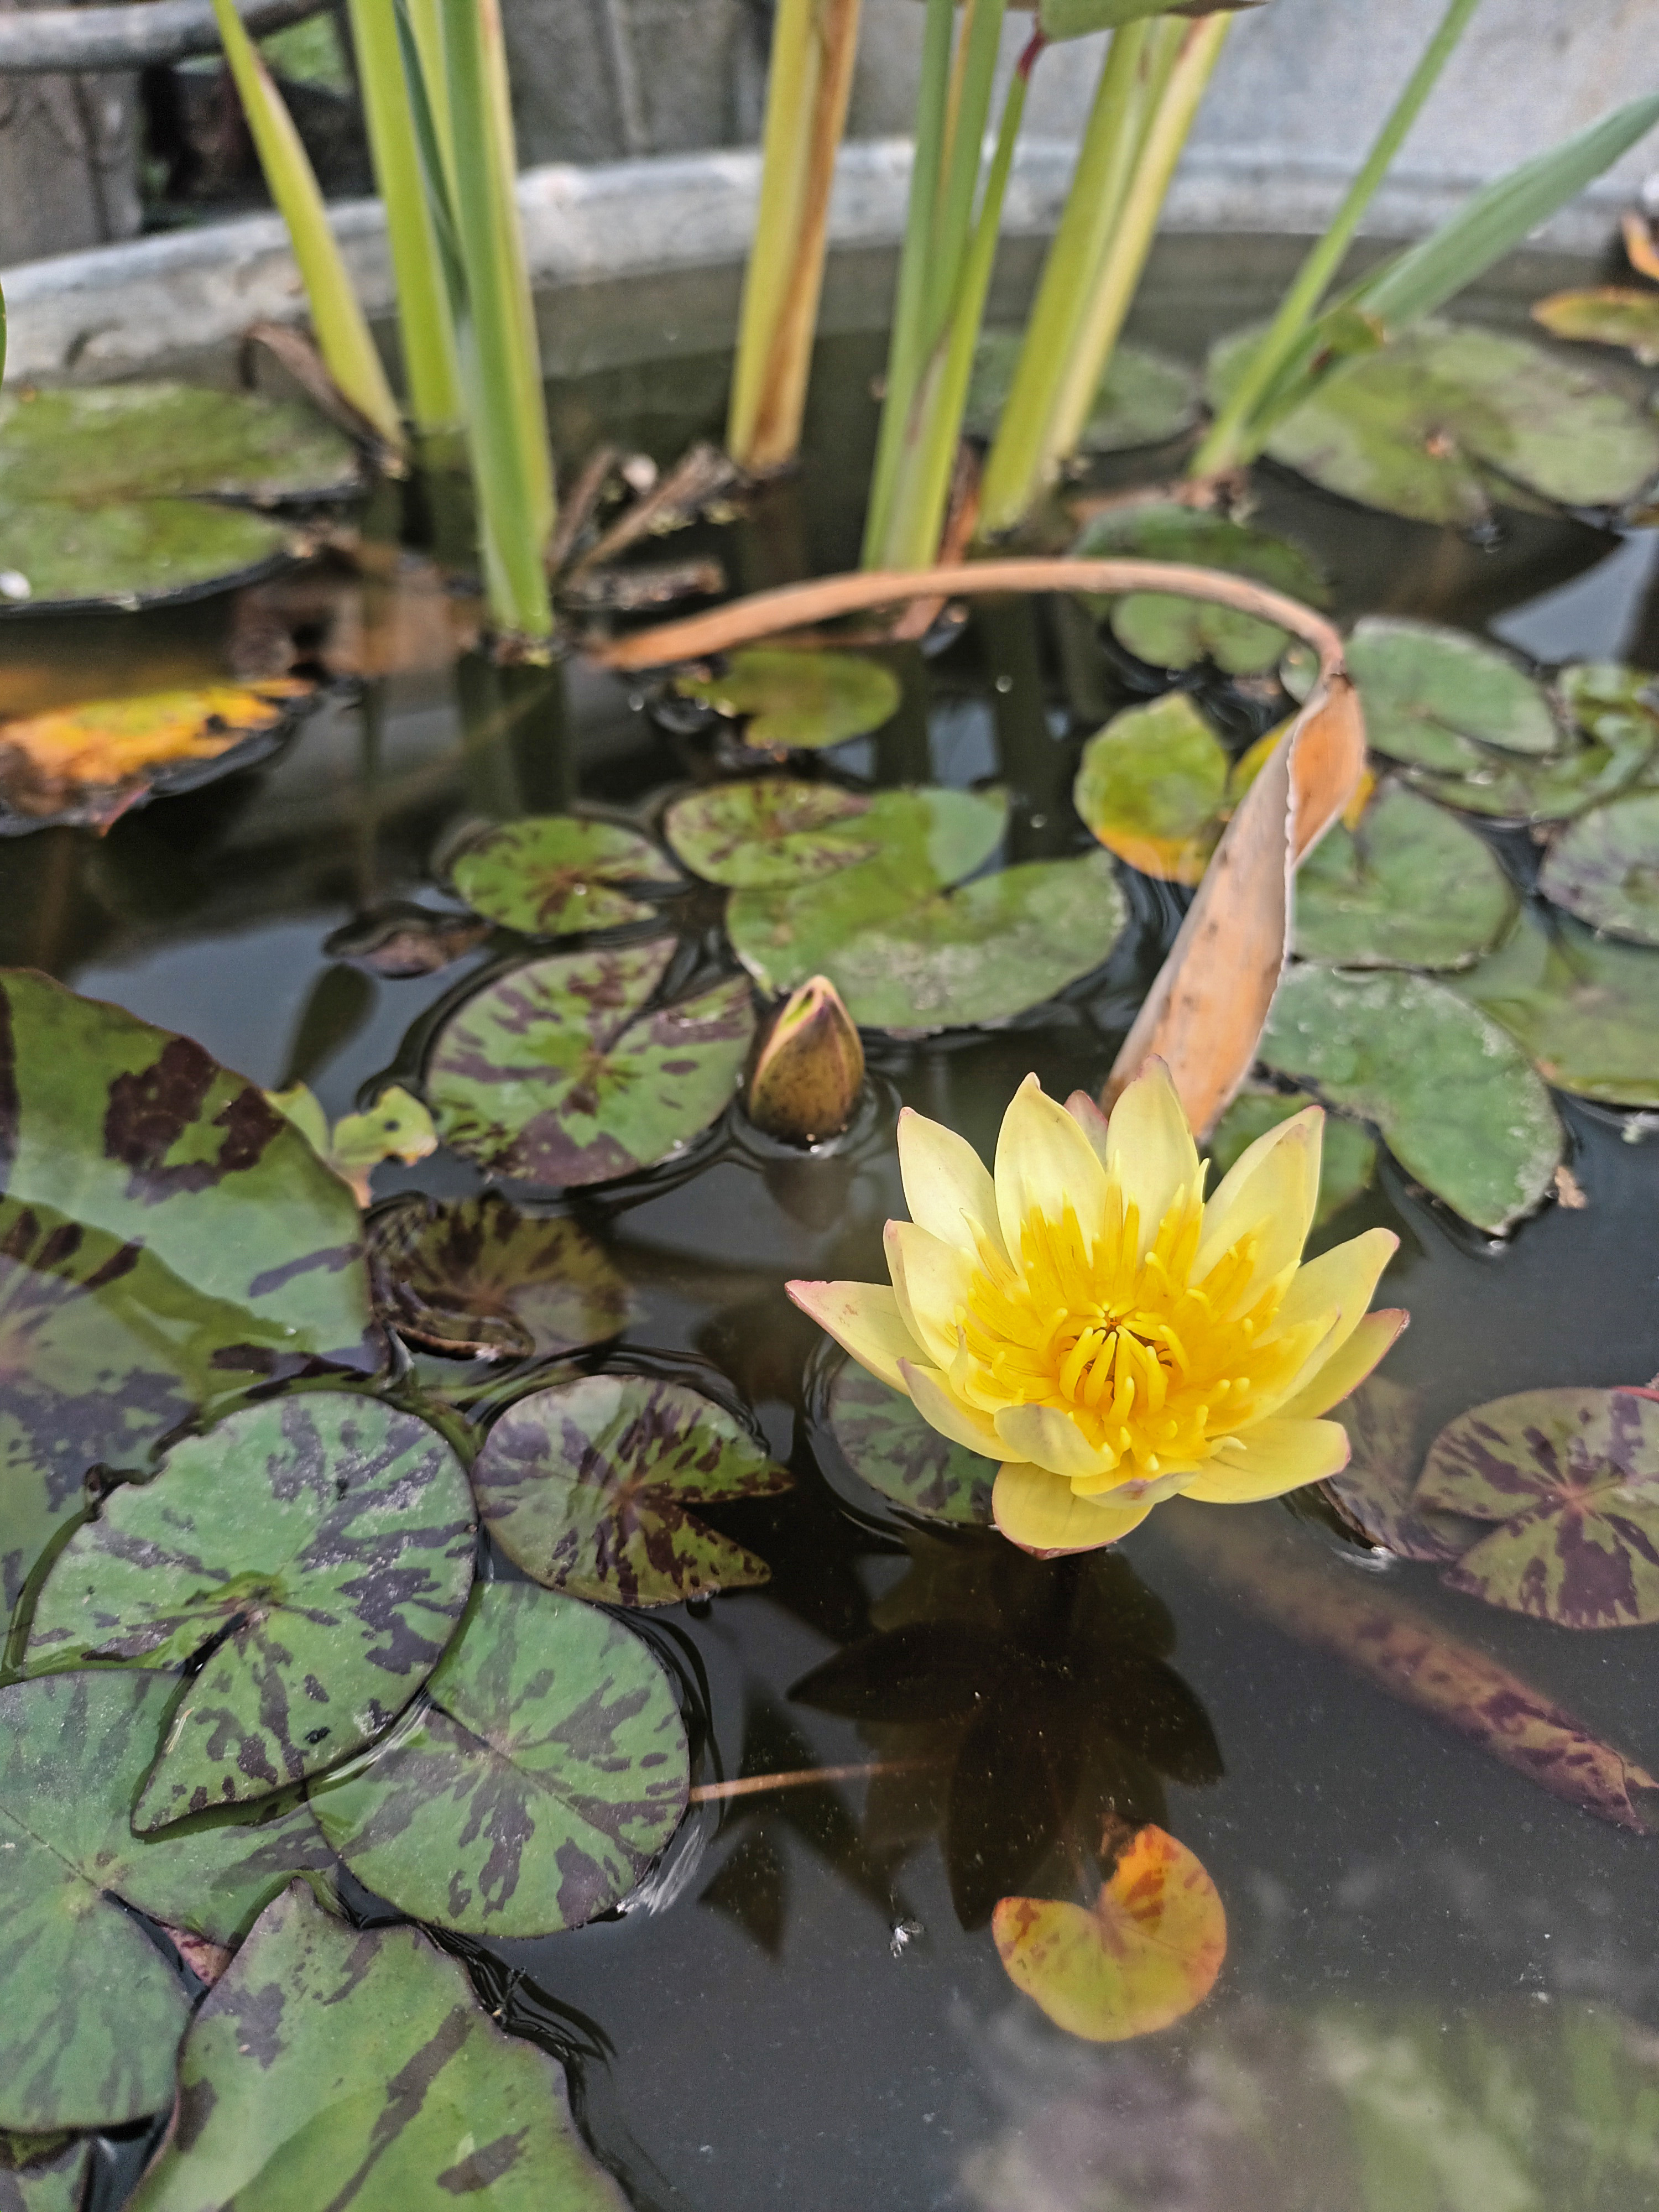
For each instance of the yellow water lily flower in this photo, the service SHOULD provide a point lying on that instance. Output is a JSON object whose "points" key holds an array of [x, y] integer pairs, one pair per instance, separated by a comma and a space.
{"points": [[1086, 1319]]}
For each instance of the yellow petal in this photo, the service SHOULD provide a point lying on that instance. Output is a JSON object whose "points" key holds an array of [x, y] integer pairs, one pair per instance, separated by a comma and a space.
{"points": [[1149, 1149], [939, 1406], [931, 1281], [1270, 1193], [864, 1318], [1041, 1514], [1053, 1439], [947, 1186], [1044, 1163], [1339, 1284], [1270, 1458], [1346, 1368]]}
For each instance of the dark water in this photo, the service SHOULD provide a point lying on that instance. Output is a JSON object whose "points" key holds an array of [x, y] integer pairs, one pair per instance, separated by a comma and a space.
{"points": [[1423, 1947]]}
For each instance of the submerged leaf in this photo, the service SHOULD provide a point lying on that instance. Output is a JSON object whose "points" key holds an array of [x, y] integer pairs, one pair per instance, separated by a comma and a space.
{"points": [[888, 1445], [1572, 1476], [93, 2013], [1430, 694], [1409, 888], [1605, 314], [480, 1276], [786, 696], [1151, 786], [332, 2058], [1144, 398], [1140, 1959], [561, 1073], [587, 1487], [1455, 1101], [1174, 633], [1383, 1421], [556, 875], [532, 1789], [1348, 1162], [1586, 1009], [1444, 421], [1604, 867], [318, 1549]]}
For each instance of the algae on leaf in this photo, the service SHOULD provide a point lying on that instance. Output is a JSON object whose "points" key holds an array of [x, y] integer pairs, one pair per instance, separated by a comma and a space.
{"points": [[1456, 1100]]}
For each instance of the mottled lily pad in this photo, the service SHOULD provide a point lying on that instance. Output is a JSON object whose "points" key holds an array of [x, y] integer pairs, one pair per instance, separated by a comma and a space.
{"points": [[1176, 633], [774, 831], [1457, 1103], [1430, 694], [561, 1073], [556, 875], [1572, 1479], [166, 1240], [1605, 314], [1445, 422], [318, 1550], [44, 2173], [93, 2013], [479, 1276], [888, 1445], [1584, 1007], [588, 1486], [544, 1771], [1138, 1959], [104, 488], [1151, 786], [335, 2063], [798, 698], [397, 1126], [1604, 867], [1144, 398], [1347, 1160], [1409, 888]]}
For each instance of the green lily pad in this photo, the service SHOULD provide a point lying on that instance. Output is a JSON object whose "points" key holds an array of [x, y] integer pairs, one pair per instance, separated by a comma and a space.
{"points": [[1585, 1008], [1429, 694], [1176, 633], [1605, 698], [555, 875], [771, 831], [44, 2173], [543, 1773], [334, 2064], [587, 1487], [1410, 888], [322, 1545], [1572, 1479], [801, 699], [166, 1241], [923, 841], [93, 2013], [1604, 867], [478, 1276], [1501, 788], [957, 959], [1347, 1161], [1456, 1102], [1151, 786], [103, 488], [1605, 314], [1445, 422], [561, 1072], [888, 1444], [1143, 399]]}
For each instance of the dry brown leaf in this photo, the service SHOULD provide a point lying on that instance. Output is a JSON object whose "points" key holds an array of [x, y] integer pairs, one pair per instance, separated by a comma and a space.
{"points": [[1641, 248], [111, 745]]}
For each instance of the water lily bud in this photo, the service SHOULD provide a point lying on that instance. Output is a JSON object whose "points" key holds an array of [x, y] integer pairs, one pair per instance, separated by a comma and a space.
{"points": [[809, 1070]]}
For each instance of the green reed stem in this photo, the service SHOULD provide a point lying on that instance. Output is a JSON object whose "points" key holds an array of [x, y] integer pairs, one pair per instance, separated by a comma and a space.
{"points": [[963, 153], [1235, 437], [343, 333]]}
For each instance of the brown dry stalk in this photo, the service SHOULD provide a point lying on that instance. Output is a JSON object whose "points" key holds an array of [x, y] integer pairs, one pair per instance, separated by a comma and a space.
{"points": [[753, 1785]]}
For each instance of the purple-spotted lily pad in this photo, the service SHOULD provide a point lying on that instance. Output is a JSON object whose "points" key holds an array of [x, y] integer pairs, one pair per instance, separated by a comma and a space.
{"points": [[557, 1073], [543, 1773], [887, 1443], [477, 1276], [1604, 867], [93, 2013], [44, 2173], [557, 876], [316, 1548], [785, 695], [1384, 1426], [772, 830], [334, 2065], [588, 1486], [1571, 1478]]}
